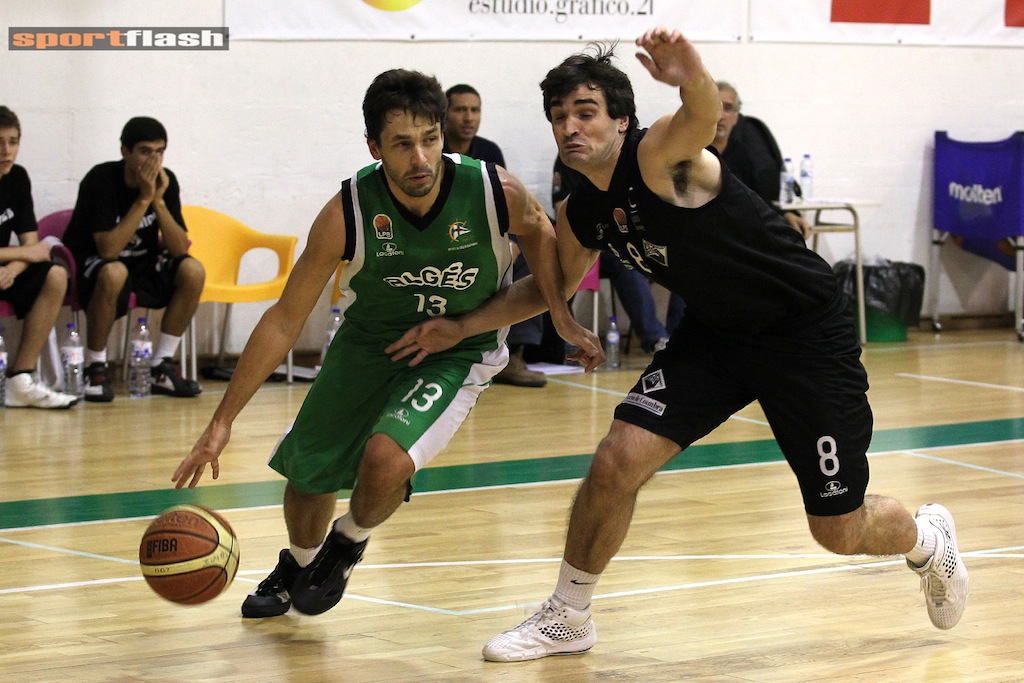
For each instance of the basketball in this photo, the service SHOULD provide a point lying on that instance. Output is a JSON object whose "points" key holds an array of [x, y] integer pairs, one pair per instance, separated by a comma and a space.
{"points": [[189, 554]]}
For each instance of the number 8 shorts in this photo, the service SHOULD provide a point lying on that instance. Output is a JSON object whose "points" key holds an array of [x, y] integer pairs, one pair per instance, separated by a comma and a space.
{"points": [[809, 381]]}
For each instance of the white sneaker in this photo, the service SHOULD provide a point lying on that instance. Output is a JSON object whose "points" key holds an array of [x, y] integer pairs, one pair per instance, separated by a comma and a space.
{"points": [[944, 579], [23, 391], [556, 629]]}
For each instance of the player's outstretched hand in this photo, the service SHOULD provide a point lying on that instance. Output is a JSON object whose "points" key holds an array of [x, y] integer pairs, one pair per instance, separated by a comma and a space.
{"points": [[431, 336], [670, 57], [206, 450]]}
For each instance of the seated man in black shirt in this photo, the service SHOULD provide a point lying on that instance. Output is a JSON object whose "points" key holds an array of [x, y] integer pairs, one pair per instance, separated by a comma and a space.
{"points": [[127, 235], [461, 123], [29, 280], [750, 150]]}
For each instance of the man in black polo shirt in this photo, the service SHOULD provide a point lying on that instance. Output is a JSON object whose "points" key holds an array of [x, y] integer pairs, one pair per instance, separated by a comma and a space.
{"points": [[127, 235], [29, 280]]}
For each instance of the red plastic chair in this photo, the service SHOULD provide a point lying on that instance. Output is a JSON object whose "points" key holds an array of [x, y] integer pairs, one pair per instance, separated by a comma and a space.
{"points": [[592, 283], [53, 226], [58, 252]]}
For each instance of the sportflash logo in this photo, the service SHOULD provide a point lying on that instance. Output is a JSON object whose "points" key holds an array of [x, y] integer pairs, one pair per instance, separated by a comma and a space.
{"points": [[117, 38]]}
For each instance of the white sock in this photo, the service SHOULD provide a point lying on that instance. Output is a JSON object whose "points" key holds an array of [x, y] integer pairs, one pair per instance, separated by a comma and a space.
{"points": [[166, 347], [347, 527], [927, 542], [95, 356], [304, 555], [575, 587]]}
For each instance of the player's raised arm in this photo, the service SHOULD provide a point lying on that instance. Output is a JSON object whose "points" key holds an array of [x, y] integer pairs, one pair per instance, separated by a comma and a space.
{"points": [[682, 136]]}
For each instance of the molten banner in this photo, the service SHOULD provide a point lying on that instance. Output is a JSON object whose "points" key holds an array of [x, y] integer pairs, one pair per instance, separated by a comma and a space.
{"points": [[978, 191]]}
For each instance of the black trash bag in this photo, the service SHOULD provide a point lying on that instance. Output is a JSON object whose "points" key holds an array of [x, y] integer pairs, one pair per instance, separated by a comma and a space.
{"points": [[894, 288]]}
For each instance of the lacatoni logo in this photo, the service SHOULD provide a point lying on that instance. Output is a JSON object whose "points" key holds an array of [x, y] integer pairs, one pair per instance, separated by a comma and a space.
{"points": [[117, 38], [402, 415], [389, 249], [976, 194], [833, 488]]}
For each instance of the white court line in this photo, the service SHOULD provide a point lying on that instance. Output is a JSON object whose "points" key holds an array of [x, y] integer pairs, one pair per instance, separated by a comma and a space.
{"points": [[67, 551], [990, 553], [962, 382], [577, 385], [75, 584], [948, 461]]}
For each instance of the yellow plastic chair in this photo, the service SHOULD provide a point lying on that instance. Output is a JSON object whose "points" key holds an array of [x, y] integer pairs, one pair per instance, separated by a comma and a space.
{"points": [[336, 294], [219, 242]]}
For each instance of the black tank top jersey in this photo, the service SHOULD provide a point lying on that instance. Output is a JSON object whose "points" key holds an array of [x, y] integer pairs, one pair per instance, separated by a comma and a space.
{"points": [[735, 261]]}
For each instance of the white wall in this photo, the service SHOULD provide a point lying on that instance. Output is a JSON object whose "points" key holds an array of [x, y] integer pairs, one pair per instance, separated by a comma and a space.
{"points": [[267, 130]]}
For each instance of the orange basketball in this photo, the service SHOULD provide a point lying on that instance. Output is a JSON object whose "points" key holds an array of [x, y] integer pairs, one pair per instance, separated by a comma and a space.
{"points": [[189, 554]]}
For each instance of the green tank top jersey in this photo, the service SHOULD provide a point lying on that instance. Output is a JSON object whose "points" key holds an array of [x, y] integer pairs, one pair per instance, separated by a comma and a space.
{"points": [[403, 269]]}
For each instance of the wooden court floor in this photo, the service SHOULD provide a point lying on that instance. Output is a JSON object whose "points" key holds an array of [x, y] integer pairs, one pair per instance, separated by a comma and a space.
{"points": [[718, 580]]}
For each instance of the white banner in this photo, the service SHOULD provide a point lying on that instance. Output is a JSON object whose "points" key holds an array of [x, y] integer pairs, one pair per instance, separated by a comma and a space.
{"points": [[913, 22], [700, 20]]}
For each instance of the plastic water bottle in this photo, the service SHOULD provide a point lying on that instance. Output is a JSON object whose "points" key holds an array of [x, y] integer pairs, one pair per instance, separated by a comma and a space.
{"points": [[3, 370], [807, 177], [332, 329], [142, 353], [611, 344], [73, 355], [786, 182]]}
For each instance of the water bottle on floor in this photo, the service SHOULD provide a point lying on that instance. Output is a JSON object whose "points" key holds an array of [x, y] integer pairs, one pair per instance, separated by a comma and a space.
{"points": [[141, 353], [611, 344], [332, 328], [73, 356]]}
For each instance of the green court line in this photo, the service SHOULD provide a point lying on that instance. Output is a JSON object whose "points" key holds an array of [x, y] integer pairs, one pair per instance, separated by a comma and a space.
{"points": [[71, 509]]}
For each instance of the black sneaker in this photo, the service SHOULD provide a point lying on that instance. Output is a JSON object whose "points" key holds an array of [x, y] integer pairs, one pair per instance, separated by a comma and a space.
{"points": [[97, 384], [167, 380], [320, 585], [271, 598]]}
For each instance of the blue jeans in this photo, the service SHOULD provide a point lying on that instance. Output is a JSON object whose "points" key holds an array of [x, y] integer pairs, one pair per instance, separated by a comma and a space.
{"points": [[634, 292], [529, 332]]}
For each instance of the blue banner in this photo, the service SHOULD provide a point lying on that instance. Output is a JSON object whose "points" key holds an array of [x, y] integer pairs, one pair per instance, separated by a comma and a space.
{"points": [[978, 191]]}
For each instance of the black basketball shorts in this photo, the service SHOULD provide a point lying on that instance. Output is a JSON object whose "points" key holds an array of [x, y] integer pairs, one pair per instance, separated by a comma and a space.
{"points": [[810, 384]]}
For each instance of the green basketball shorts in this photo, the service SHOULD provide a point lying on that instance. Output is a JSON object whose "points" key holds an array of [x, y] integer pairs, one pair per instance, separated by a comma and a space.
{"points": [[360, 392]]}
